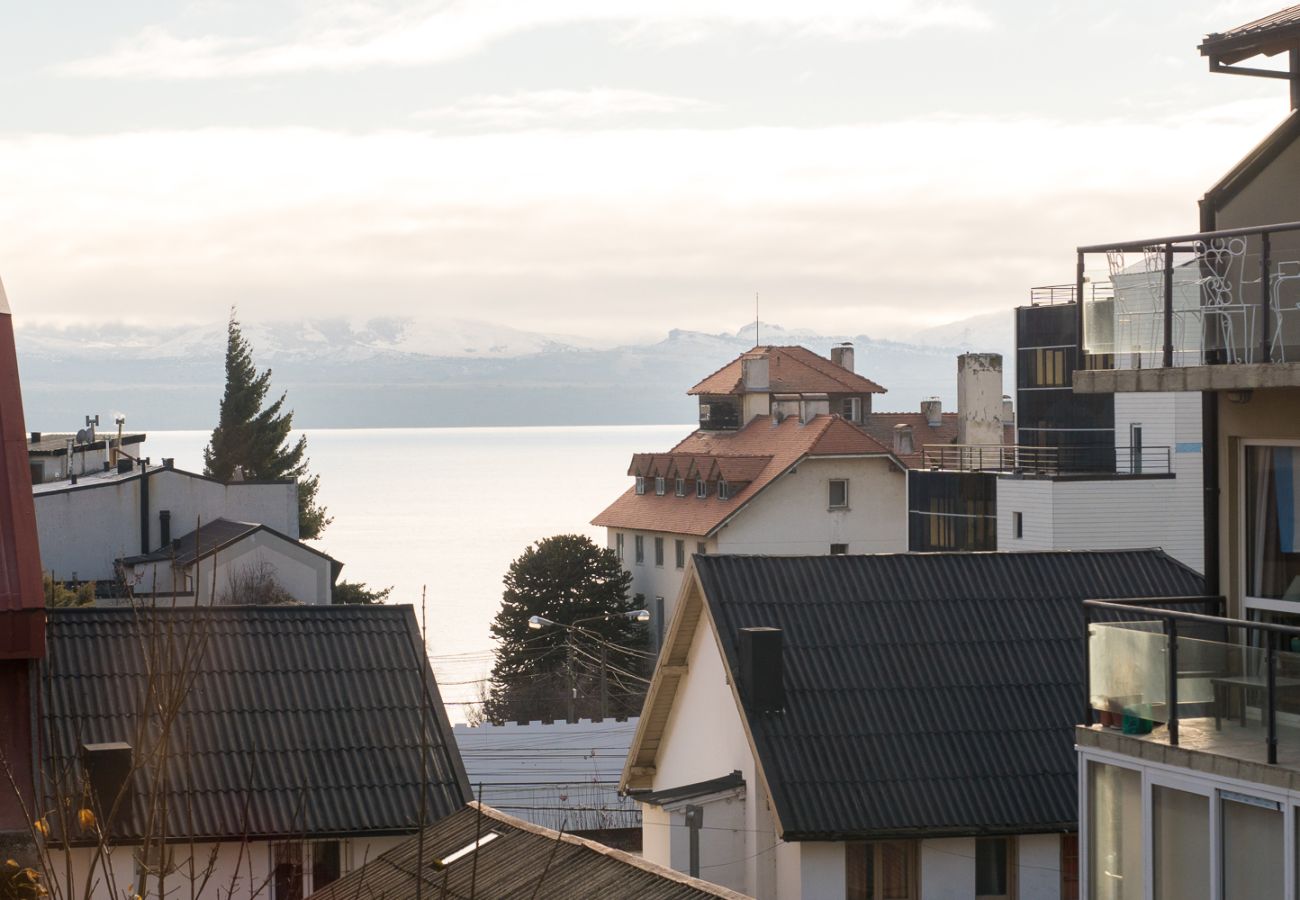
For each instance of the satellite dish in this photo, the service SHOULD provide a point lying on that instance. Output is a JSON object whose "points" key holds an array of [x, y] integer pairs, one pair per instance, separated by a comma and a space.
{"points": [[83, 436]]}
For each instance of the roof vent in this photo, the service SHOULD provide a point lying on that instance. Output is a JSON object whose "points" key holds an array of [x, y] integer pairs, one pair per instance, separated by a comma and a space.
{"points": [[932, 409], [762, 674], [904, 445]]}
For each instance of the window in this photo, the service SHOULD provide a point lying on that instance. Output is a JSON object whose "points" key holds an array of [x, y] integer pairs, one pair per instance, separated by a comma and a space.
{"points": [[1114, 832], [851, 409], [659, 487], [839, 549], [659, 551], [618, 545], [1272, 564], [286, 871], [880, 870], [1017, 525], [640, 549], [680, 547], [1253, 852], [839, 498], [702, 548], [1135, 448], [1049, 368], [994, 868], [724, 490], [1180, 844], [701, 488], [681, 487], [326, 863], [292, 880], [640, 484]]}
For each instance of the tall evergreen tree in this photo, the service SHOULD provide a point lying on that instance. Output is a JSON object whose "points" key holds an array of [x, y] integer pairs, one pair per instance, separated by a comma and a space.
{"points": [[257, 438], [567, 578]]}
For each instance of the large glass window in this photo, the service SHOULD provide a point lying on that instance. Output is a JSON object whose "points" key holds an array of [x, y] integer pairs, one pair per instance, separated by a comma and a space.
{"points": [[1114, 833], [1272, 487], [1180, 826], [880, 870], [993, 862], [1253, 861]]}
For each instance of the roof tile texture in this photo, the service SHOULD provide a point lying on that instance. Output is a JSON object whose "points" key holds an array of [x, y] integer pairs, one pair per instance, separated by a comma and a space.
{"points": [[793, 370]]}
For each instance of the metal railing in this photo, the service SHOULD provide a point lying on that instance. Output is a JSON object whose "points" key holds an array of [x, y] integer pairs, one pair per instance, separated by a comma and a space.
{"points": [[1018, 459], [1060, 294], [1157, 660], [1208, 298]]}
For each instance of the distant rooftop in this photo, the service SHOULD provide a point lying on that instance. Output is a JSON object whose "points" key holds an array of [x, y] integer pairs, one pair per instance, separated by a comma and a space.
{"points": [[1268, 36], [791, 370], [52, 443]]}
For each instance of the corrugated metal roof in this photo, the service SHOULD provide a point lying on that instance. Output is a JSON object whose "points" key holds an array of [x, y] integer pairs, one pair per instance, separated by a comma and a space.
{"points": [[929, 692], [298, 719], [523, 861], [1269, 34]]}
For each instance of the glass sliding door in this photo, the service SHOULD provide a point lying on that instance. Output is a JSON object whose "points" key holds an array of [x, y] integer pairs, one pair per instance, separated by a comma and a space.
{"points": [[1253, 858], [1180, 828], [1272, 525], [1114, 833]]}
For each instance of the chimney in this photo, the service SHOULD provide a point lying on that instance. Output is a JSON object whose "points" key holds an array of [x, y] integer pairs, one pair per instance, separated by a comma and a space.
{"points": [[811, 405], [124, 465], [169, 462], [36, 437], [979, 398], [762, 676], [754, 371], [107, 768], [164, 527], [932, 409], [842, 356], [903, 443]]}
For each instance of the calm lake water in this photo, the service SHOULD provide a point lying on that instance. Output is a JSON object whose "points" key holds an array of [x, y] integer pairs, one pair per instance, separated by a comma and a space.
{"points": [[447, 509]]}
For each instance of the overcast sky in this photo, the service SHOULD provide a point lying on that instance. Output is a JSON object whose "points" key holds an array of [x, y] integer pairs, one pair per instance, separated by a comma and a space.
{"points": [[604, 168]]}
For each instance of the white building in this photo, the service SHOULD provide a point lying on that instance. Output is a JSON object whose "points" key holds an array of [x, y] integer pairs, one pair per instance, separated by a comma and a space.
{"points": [[895, 725], [61, 456], [771, 470], [87, 526]]}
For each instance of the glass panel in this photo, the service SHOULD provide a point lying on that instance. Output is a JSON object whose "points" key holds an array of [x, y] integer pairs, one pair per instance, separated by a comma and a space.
{"points": [[326, 864], [1127, 668], [286, 874], [1114, 833], [1272, 538], [991, 867], [858, 871], [1180, 824], [895, 870], [1252, 851]]}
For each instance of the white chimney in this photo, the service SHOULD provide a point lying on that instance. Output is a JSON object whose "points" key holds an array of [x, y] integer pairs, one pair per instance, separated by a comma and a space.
{"points": [[755, 372], [979, 398], [785, 406], [813, 405], [932, 409], [842, 356], [903, 443]]}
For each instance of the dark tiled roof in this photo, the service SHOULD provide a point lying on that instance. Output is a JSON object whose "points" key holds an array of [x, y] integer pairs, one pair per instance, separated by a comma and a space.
{"points": [[524, 861], [212, 537], [299, 720], [793, 370], [932, 693]]}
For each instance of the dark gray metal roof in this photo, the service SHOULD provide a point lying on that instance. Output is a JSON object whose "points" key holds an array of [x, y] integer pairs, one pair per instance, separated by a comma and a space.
{"points": [[692, 791], [524, 861], [931, 693], [295, 719], [207, 538]]}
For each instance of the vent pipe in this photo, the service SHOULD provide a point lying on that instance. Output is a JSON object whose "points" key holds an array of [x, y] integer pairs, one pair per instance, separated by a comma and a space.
{"points": [[762, 670]]}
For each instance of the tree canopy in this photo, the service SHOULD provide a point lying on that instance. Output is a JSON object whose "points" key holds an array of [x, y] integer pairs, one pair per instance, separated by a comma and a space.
{"points": [[256, 437], [567, 578]]}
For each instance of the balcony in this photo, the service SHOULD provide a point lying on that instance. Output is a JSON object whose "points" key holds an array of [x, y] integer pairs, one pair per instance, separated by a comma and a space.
{"points": [[1205, 683], [1049, 462], [1224, 303]]}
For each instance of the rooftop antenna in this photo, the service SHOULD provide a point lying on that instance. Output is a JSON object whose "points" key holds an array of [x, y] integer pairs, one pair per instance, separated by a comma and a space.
{"points": [[756, 344]]}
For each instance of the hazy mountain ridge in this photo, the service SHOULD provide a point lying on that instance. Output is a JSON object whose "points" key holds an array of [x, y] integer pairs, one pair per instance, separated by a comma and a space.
{"points": [[391, 372]]}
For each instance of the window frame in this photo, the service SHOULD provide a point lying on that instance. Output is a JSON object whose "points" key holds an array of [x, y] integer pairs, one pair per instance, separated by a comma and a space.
{"points": [[619, 545], [659, 552], [680, 487], [679, 551], [843, 551], [638, 546], [1017, 525], [659, 486], [701, 489], [1248, 601], [1009, 861], [724, 490], [640, 485], [876, 889], [306, 865], [830, 494]]}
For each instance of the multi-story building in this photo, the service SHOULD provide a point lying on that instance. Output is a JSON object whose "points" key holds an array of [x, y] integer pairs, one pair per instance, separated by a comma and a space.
{"points": [[1190, 749], [779, 465]]}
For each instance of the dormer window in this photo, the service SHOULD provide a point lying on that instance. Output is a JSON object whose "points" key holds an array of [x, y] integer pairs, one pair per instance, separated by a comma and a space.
{"points": [[701, 488], [724, 490], [681, 487], [659, 487], [640, 484]]}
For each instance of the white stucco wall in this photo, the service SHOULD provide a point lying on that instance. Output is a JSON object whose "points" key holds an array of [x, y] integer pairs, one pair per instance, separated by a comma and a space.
{"points": [[811, 869], [948, 869], [1038, 867], [303, 575], [84, 528], [653, 581], [241, 869], [704, 739]]}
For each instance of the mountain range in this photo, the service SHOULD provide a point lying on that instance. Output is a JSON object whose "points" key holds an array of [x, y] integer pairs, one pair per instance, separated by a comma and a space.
{"points": [[391, 372]]}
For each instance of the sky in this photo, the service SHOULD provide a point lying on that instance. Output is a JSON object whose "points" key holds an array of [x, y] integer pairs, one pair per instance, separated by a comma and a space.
{"points": [[608, 169]]}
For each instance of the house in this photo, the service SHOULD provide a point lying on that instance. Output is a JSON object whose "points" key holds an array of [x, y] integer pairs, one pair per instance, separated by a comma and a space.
{"points": [[894, 725], [561, 775], [231, 562], [1197, 797], [86, 526], [257, 751], [773, 469], [482, 852], [63, 456]]}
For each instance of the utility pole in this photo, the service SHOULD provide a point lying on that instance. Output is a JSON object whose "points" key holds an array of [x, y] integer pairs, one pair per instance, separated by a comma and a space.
{"points": [[573, 683], [604, 681]]}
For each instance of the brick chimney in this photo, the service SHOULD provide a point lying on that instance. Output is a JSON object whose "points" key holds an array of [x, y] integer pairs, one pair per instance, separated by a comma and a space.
{"points": [[22, 601]]}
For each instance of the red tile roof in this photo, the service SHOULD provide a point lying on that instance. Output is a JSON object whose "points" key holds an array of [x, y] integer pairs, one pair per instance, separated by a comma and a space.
{"points": [[791, 370], [756, 454], [880, 425]]}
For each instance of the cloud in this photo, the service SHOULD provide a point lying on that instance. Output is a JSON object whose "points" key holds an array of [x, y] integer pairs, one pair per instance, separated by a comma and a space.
{"points": [[545, 109], [354, 37], [863, 229]]}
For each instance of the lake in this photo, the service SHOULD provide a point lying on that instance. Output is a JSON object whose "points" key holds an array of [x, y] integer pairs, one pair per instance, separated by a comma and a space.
{"points": [[446, 510]]}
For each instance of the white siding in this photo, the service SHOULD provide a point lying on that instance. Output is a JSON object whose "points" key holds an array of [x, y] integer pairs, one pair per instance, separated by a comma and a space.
{"points": [[1038, 867]]}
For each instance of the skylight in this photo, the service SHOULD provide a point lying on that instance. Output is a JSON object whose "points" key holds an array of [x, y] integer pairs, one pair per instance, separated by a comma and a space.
{"points": [[466, 850]]}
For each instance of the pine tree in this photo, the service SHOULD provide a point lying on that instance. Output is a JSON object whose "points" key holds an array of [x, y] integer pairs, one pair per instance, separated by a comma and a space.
{"points": [[566, 578], [258, 439]]}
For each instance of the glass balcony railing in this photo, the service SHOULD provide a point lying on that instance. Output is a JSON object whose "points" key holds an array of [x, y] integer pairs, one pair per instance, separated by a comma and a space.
{"points": [[1150, 667], [1201, 299]]}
